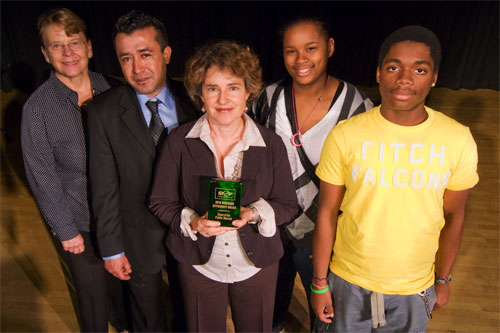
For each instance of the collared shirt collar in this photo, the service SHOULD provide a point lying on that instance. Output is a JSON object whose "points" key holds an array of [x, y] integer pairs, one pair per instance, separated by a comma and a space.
{"points": [[251, 135], [63, 92], [165, 96]]}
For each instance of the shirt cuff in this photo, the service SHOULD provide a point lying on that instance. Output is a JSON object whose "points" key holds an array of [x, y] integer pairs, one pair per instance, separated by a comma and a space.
{"points": [[267, 223], [119, 255], [187, 215], [65, 232]]}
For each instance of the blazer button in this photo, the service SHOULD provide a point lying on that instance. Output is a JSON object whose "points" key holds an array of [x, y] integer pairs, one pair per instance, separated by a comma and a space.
{"points": [[242, 234], [249, 253], [209, 251]]}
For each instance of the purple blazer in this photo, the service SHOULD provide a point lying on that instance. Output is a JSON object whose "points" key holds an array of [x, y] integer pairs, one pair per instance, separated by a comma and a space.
{"points": [[181, 180]]}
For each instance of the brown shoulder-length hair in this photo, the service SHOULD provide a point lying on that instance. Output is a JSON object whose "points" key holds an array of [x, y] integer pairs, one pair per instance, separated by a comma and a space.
{"points": [[242, 61], [71, 23]]}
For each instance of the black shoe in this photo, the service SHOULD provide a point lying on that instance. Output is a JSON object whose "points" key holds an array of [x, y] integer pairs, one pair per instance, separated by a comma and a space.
{"points": [[280, 328]]}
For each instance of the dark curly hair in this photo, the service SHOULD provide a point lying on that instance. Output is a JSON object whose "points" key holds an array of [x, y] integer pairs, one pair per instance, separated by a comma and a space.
{"points": [[413, 33], [239, 59], [137, 20]]}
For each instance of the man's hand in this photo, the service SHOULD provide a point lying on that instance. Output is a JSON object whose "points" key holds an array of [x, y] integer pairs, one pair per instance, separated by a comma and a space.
{"points": [[74, 245], [323, 306], [119, 267], [442, 294], [454, 203]]}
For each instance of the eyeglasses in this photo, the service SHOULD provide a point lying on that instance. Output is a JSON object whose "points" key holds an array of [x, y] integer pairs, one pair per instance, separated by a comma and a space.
{"points": [[74, 45]]}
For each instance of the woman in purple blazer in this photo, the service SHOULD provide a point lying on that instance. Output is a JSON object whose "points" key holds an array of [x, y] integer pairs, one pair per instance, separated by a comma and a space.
{"points": [[218, 263]]}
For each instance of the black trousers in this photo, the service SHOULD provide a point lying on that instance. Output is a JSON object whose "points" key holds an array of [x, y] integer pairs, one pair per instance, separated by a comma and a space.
{"points": [[175, 290], [146, 302], [148, 311], [98, 295], [294, 260]]}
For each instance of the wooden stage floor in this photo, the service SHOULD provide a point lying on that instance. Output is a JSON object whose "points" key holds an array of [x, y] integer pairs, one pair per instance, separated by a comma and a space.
{"points": [[35, 298]]}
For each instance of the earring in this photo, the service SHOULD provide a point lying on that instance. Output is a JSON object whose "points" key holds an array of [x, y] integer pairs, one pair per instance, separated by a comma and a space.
{"points": [[433, 85], [246, 108], [202, 109]]}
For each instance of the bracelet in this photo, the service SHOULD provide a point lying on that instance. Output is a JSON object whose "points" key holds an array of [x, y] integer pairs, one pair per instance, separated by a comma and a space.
{"points": [[319, 279], [255, 214], [319, 287], [443, 280], [321, 291]]}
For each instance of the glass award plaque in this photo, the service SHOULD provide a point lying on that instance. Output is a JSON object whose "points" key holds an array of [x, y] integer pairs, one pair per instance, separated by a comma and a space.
{"points": [[224, 201]]}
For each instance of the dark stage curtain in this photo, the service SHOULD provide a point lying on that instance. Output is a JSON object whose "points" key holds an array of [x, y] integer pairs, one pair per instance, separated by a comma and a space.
{"points": [[468, 30]]}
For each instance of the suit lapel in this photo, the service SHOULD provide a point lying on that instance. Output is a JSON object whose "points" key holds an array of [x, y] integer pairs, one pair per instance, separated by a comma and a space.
{"points": [[202, 157], [201, 154], [134, 120], [183, 107], [252, 159]]}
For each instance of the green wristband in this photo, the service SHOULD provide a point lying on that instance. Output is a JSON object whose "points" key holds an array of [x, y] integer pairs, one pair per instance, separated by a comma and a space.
{"points": [[322, 291]]}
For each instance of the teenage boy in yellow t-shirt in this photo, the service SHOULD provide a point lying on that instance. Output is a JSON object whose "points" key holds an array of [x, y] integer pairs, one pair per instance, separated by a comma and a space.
{"points": [[401, 174]]}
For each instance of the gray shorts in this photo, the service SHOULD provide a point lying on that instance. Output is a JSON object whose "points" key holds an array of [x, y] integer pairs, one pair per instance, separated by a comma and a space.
{"points": [[353, 312]]}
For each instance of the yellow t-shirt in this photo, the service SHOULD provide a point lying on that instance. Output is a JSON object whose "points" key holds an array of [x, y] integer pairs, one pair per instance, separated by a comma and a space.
{"points": [[395, 177]]}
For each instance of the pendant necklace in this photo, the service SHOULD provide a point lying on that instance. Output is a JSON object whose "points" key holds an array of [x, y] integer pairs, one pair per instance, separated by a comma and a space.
{"points": [[298, 134]]}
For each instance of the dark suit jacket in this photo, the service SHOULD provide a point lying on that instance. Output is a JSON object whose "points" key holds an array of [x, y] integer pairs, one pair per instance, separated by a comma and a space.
{"points": [[181, 180], [121, 158]]}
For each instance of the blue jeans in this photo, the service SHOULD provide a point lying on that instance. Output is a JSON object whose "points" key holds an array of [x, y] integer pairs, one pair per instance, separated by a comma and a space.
{"points": [[294, 260]]}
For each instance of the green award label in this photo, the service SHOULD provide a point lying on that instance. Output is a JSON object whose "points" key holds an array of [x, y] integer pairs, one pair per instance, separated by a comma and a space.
{"points": [[224, 201]]}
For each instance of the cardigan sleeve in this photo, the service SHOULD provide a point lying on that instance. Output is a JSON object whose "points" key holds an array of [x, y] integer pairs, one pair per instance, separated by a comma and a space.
{"points": [[164, 201], [282, 197]]}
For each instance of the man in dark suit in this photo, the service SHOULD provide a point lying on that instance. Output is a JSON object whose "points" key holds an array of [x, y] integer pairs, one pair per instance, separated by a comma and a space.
{"points": [[126, 126]]}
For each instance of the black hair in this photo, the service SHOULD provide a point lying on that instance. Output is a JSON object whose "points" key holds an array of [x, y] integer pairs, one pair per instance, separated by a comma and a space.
{"points": [[414, 33], [323, 25], [137, 20]]}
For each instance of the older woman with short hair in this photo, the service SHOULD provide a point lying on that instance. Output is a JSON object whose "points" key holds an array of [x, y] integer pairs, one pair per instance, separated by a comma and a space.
{"points": [[54, 148], [219, 263]]}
